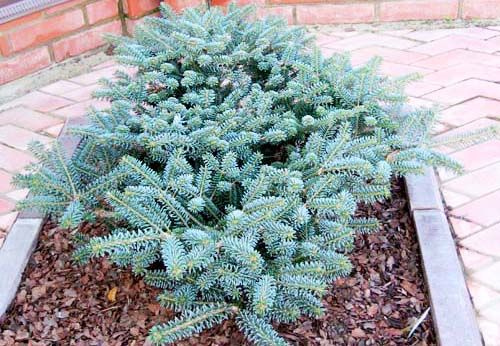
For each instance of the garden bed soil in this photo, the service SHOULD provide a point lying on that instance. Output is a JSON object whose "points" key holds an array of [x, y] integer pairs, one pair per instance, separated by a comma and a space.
{"points": [[59, 303]]}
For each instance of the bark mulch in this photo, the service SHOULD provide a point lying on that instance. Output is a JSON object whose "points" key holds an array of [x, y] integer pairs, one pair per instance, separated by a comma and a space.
{"points": [[59, 303]]}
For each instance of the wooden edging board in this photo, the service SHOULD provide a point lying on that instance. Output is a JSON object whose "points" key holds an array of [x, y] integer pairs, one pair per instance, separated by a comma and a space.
{"points": [[452, 311]]}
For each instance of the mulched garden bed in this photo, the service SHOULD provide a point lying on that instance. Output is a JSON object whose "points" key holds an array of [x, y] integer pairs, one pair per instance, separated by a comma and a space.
{"points": [[62, 304]]}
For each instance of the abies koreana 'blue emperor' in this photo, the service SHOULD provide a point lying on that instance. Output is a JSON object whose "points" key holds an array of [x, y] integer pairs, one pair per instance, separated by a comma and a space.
{"points": [[230, 166]]}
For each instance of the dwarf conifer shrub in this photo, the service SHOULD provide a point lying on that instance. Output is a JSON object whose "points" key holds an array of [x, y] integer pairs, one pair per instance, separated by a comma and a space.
{"points": [[230, 167]]}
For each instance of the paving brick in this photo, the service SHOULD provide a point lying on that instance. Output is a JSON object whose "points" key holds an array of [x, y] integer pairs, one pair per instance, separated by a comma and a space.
{"points": [[495, 40], [418, 10], [6, 220], [462, 72], [483, 211], [479, 155], [398, 32], [473, 261], [397, 70], [432, 35], [476, 32], [465, 90], [60, 87], [327, 52], [322, 39], [486, 241], [478, 124], [482, 296], [419, 88], [490, 331], [19, 138], [81, 108], [471, 110], [445, 174], [13, 160], [477, 183], [419, 102], [489, 275], [455, 42], [46, 30], [6, 205], [18, 195], [105, 64], [335, 13], [42, 102], [23, 64], [27, 118], [439, 128], [82, 94], [93, 77], [454, 199], [456, 57], [101, 10], [54, 131], [370, 39], [480, 9], [5, 180], [346, 33], [362, 55]]}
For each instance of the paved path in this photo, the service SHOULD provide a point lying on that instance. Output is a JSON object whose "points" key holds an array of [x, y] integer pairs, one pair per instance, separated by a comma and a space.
{"points": [[39, 115], [461, 73]]}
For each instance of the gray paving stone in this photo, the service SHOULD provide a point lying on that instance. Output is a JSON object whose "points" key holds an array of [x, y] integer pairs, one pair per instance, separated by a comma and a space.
{"points": [[14, 256], [68, 141], [30, 214], [423, 191], [452, 312]]}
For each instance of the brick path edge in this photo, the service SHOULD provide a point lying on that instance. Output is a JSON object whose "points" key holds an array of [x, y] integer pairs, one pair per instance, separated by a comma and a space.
{"points": [[453, 315], [23, 238]]}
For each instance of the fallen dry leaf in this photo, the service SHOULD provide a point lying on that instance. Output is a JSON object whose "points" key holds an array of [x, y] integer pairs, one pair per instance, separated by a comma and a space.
{"points": [[111, 296], [372, 310], [358, 333], [38, 292], [409, 287]]}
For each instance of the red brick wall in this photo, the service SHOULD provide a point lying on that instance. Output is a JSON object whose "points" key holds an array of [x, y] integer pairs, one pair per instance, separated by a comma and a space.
{"points": [[40, 39], [366, 11], [35, 41]]}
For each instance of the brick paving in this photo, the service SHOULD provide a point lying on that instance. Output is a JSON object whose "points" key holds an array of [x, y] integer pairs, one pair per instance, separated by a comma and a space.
{"points": [[460, 71], [39, 115], [461, 74]]}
